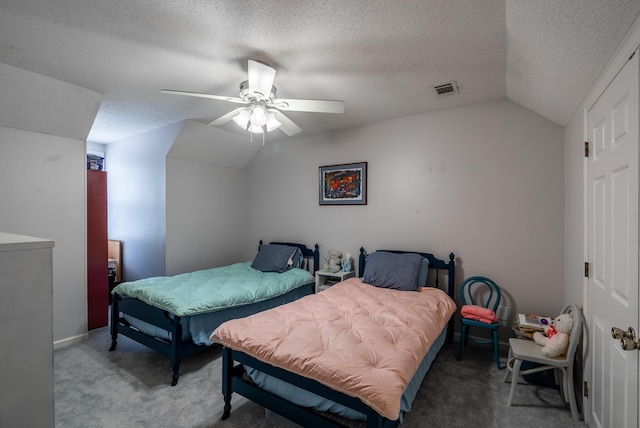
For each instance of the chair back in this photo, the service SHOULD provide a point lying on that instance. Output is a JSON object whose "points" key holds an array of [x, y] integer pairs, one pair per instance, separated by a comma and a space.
{"points": [[481, 291], [576, 330]]}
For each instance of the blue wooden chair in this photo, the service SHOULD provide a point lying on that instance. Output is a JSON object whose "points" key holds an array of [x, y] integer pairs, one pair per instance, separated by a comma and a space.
{"points": [[480, 291]]}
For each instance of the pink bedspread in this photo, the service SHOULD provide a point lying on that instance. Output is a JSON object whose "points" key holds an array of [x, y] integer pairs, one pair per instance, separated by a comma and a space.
{"points": [[364, 341]]}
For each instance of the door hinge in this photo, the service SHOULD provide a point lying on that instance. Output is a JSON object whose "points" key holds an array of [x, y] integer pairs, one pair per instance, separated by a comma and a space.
{"points": [[586, 149], [585, 389], [586, 269]]}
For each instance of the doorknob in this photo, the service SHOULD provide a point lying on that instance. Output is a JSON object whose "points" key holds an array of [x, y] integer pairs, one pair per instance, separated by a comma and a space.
{"points": [[628, 344], [618, 333], [627, 338]]}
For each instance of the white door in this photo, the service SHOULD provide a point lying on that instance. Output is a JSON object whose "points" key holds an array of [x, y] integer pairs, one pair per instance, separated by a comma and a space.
{"points": [[613, 251]]}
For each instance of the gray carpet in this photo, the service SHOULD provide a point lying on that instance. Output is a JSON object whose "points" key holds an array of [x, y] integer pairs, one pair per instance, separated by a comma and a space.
{"points": [[130, 388]]}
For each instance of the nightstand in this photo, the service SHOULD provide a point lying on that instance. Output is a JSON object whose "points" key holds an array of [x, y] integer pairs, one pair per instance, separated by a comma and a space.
{"points": [[325, 279]]}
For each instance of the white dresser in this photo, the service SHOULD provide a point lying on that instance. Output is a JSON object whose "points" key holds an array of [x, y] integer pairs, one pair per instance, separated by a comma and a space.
{"points": [[26, 331]]}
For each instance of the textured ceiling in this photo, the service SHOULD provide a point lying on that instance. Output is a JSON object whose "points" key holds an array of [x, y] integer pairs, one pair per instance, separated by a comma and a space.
{"points": [[381, 57]]}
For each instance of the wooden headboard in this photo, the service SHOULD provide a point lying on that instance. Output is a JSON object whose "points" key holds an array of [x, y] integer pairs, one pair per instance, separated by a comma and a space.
{"points": [[434, 263], [308, 253]]}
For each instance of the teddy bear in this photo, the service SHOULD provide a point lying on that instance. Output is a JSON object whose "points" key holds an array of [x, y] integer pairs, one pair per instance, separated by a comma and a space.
{"points": [[556, 341], [333, 261]]}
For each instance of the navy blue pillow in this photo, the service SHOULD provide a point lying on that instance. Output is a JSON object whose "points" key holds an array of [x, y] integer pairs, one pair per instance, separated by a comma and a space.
{"points": [[391, 270], [274, 258]]}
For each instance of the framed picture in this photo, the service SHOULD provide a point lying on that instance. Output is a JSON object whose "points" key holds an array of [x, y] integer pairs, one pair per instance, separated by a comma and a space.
{"points": [[343, 184]]}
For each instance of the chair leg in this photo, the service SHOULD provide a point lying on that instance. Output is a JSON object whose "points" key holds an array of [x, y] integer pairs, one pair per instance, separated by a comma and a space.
{"points": [[514, 379], [496, 353], [508, 366], [568, 374], [560, 377], [463, 339]]}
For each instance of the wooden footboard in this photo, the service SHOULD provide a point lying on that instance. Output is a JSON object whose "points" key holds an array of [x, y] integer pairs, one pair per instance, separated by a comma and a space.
{"points": [[233, 381], [176, 350]]}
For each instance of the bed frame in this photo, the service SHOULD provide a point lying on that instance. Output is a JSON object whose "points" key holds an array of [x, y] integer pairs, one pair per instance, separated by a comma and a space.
{"points": [[234, 381], [176, 350]]}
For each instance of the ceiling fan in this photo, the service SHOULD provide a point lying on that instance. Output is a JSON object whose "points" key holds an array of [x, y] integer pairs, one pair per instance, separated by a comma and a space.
{"points": [[263, 110]]}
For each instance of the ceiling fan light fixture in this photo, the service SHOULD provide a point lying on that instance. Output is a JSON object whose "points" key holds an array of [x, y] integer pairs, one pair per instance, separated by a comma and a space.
{"points": [[257, 124], [261, 112], [242, 118], [258, 116], [272, 122]]}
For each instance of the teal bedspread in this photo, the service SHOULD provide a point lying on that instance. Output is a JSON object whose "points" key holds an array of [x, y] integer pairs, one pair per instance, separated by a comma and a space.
{"points": [[213, 289]]}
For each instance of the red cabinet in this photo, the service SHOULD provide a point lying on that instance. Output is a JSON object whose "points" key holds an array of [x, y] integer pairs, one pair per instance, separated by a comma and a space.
{"points": [[97, 256]]}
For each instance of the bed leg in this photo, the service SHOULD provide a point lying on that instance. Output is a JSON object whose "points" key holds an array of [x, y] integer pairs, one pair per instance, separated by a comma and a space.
{"points": [[227, 407], [176, 350], [114, 322], [227, 372], [176, 375], [114, 336]]}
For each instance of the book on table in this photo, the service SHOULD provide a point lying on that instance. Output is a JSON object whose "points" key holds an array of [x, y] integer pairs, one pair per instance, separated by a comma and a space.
{"points": [[533, 321]]}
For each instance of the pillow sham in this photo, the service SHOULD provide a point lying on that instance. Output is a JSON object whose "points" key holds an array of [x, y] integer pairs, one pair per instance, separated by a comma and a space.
{"points": [[424, 273], [391, 270], [276, 258], [297, 259]]}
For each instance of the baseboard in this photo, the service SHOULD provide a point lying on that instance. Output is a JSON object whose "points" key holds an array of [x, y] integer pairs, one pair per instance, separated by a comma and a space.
{"points": [[69, 341]]}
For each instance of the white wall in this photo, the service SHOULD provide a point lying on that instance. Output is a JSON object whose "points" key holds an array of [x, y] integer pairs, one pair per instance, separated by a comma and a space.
{"points": [[206, 197], [483, 181], [137, 199], [172, 204], [574, 213], [205, 215], [43, 194], [43, 125]]}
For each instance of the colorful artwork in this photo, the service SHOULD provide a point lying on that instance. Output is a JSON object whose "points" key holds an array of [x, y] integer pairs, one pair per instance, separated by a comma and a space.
{"points": [[343, 184]]}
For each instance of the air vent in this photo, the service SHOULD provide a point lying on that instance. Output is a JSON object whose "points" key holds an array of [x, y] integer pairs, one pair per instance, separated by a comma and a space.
{"points": [[448, 88]]}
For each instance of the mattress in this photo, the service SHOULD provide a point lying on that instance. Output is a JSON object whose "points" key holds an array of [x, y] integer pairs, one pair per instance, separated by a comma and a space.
{"points": [[361, 340], [213, 289], [308, 399], [198, 328]]}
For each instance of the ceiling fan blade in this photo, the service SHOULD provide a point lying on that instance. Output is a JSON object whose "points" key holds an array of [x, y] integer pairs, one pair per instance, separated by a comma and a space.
{"points": [[286, 125], [198, 94], [226, 118], [261, 78], [314, 106]]}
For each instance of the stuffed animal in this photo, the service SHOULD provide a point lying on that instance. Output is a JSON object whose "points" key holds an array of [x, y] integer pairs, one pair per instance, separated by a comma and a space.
{"points": [[556, 341], [333, 261]]}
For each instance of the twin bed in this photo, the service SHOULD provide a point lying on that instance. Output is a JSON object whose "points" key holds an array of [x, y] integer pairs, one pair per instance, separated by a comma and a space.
{"points": [[176, 315], [354, 354]]}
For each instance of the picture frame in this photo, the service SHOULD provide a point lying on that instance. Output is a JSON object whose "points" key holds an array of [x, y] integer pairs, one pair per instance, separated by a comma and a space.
{"points": [[344, 184]]}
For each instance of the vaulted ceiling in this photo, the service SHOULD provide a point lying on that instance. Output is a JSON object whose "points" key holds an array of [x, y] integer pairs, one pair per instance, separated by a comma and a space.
{"points": [[383, 58]]}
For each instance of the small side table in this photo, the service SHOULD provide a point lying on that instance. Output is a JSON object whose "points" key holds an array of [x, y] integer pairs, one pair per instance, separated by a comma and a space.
{"points": [[322, 277]]}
